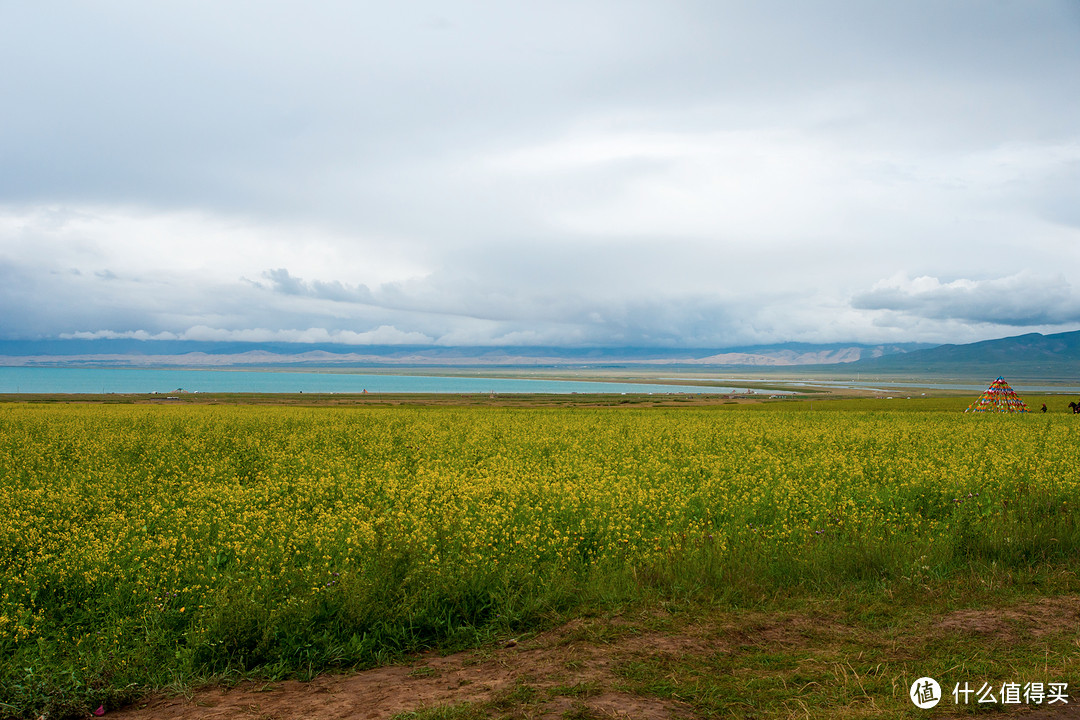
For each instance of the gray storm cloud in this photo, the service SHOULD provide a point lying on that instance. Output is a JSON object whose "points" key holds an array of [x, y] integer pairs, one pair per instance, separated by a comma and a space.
{"points": [[283, 282], [597, 172], [1020, 300]]}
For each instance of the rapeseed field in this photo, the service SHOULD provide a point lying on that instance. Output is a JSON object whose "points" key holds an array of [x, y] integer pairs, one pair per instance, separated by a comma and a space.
{"points": [[152, 545]]}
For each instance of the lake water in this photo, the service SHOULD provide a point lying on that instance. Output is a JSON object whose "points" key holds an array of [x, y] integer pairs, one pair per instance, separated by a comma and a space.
{"points": [[897, 386], [883, 386], [147, 380]]}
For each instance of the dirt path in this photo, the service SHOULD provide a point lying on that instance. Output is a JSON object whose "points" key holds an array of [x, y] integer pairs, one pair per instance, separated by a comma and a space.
{"points": [[574, 672], [555, 673]]}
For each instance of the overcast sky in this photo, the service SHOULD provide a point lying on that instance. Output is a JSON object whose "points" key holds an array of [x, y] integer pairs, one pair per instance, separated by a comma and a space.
{"points": [[589, 172]]}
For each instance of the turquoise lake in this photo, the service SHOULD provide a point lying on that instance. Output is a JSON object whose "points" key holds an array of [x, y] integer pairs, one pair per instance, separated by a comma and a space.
{"points": [[139, 380]]}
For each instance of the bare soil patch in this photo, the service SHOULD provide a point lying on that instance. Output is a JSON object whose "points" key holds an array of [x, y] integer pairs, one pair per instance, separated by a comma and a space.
{"points": [[562, 670], [1034, 619], [579, 669]]}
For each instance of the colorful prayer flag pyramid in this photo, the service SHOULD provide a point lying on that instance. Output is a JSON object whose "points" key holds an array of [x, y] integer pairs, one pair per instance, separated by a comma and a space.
{"points": [[999, 397]]}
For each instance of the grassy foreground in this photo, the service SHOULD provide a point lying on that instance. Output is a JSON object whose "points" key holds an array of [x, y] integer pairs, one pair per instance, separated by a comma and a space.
{"points": [[154, 546]]}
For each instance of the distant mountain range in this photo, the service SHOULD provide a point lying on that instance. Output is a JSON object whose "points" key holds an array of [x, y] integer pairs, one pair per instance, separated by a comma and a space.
{"points": [[1033, 355], [143, 353], [1025, 356]]}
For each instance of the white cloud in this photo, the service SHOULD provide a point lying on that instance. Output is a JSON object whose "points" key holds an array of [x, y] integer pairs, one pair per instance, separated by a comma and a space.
{"points": [[1023, 299], [135, 241], [698, 173], [382, 335], [113, 335]]}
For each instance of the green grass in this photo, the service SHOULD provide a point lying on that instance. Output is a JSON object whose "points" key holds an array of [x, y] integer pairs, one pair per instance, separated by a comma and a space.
{"points": [[169, 546], [827, 658], [851, 654]]}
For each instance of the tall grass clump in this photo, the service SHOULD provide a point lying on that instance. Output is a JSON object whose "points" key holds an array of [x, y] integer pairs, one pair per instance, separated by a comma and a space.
{"points": [[145, 545]]}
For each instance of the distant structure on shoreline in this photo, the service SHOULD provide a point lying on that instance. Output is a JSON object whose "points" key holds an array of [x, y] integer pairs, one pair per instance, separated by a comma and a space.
{"points": [[999, 397]]}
